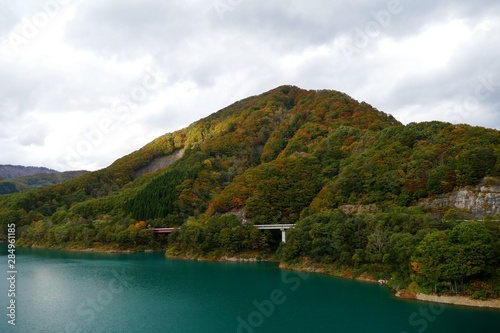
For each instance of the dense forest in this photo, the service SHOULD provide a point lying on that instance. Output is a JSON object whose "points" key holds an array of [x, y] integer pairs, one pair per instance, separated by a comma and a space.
{"points": [[291, 156]]}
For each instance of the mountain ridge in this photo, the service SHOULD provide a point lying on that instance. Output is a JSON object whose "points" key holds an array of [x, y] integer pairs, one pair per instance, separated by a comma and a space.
{"points": [[284, 122], [9, 171], [23, 183]]}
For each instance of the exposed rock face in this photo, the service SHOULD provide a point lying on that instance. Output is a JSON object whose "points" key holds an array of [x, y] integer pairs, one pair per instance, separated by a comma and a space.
{"points": [[357, 209], [482, 200], [240, 214], [160, 163]]}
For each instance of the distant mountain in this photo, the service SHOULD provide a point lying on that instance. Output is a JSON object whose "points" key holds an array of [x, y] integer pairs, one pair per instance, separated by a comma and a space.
{"points": [[18, 184], [13, 171]]}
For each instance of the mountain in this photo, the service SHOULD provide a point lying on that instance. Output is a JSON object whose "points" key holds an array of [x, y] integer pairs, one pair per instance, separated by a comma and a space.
{"points": [[13, 171], [353, 179], [23, 183]]}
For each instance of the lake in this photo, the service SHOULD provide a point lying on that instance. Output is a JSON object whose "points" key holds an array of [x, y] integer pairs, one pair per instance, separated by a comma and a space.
{"points": [[60, 291]]}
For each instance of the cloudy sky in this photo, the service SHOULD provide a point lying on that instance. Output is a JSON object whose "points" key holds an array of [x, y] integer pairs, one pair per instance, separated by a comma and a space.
{"points": [[86, 82]]}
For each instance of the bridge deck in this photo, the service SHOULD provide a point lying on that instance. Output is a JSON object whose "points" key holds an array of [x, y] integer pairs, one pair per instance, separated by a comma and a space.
{"points": [[281, 227], [164, 230], [258, 226], [274, 226]]}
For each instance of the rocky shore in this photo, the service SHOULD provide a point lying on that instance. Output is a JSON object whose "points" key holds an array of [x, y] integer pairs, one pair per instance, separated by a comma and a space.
{"points": [[454, 300]]}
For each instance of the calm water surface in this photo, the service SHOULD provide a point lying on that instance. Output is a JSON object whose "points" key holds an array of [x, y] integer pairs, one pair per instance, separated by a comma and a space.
{"points": [[81, 292]]}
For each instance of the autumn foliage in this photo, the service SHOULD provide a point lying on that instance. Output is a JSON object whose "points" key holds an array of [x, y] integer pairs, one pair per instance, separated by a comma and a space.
{"points": [[286, 156]]}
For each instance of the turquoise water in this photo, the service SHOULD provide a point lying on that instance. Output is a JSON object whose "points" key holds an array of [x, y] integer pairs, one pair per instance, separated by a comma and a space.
{"points": [[81, 292]]}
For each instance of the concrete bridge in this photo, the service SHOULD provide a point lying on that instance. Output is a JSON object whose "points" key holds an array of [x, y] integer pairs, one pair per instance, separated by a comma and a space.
{"points": [[165, 230], [282, 227]]}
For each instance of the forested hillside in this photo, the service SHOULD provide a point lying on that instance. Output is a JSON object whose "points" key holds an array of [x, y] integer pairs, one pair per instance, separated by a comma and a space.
{"points": [[291, 156]]}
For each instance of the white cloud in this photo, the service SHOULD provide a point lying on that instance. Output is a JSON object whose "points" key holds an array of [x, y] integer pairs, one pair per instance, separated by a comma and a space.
{"points": [[88, 64]]}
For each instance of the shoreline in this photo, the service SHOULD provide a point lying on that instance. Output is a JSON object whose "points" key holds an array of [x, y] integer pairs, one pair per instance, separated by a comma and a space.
{"points": [[98, 249], [319, 269], [247, 258], [343, 274], [457, 300]]}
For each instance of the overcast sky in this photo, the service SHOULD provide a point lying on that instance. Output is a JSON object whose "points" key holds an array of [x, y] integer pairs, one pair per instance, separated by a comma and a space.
{"points": [[86, 82]]}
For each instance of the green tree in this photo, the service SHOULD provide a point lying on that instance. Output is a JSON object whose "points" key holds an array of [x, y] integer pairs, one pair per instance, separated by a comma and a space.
{"points": [[448, 258]]}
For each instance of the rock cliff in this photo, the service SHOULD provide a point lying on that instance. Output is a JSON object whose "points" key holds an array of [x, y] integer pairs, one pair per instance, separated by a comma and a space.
{"points": [[482, 200]]}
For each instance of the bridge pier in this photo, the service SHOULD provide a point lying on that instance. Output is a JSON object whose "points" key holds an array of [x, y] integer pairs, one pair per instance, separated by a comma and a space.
{"points": [[283, 235]]}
